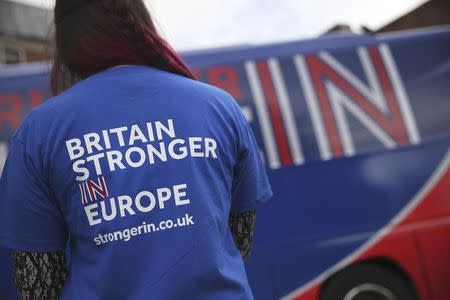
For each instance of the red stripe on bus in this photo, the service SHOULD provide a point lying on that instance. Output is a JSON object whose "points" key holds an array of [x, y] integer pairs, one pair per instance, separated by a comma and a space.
{"points": [[316, 69], [398, 126], [275, 114]]}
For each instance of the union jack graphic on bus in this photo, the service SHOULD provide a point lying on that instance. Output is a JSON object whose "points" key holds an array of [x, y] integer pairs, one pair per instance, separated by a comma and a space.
{"points": [[274, 111], [331, 92]]}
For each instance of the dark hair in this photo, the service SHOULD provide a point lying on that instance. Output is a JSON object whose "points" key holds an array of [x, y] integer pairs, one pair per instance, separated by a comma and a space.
{"points": [[94, 35]]}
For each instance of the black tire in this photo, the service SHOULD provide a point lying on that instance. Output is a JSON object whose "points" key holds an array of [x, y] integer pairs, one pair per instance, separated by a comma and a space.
{"points": [[368, 282]]}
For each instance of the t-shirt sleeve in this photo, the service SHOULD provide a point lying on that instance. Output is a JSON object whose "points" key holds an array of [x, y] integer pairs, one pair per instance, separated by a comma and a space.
{"points": [[251, 186], [30, 219]]}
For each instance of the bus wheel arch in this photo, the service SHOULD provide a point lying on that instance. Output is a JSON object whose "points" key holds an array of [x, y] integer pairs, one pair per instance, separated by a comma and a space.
{"points": [[381, 278]]}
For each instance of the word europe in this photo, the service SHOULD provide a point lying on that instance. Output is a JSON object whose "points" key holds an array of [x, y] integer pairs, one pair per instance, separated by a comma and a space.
{"points": [[144, 202], [141, 145]]}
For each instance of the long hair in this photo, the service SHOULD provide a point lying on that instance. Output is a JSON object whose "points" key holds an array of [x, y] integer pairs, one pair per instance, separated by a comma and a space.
{"points": [[95, 35]]}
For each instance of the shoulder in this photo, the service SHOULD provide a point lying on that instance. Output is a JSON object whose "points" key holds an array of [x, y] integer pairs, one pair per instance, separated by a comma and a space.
{"points": [[40, 119], [209, 96], [59, 105], [197, 88]]}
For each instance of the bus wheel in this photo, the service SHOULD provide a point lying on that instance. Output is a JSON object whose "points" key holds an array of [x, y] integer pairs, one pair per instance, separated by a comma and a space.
{"points": [[368, 282]]}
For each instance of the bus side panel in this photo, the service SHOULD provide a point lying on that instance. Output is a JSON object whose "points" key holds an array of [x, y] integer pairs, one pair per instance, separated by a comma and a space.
{"points": [[434, 244], [323, 213], [429, 223], [401, 248], [432, 222], [415, 242]]}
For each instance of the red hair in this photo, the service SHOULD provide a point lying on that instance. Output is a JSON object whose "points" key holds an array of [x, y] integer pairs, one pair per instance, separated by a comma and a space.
{"points": [[92, 36]]}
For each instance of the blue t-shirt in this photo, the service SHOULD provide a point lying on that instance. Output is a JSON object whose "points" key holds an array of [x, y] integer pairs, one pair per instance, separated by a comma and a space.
{"points": [[137, 171]]}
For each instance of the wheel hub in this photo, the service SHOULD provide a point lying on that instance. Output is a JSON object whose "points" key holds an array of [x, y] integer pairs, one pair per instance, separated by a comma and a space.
{"points": [[370, 291]]}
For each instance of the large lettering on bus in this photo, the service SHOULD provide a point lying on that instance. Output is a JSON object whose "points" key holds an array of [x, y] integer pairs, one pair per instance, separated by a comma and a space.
{"points": [[377, 100], [382, 105], [269, 94], [13, 107]]}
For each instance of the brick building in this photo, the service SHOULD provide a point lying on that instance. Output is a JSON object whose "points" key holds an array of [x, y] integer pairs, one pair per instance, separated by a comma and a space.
{"points": [[25, 30], [431, 13], [24, 33]]}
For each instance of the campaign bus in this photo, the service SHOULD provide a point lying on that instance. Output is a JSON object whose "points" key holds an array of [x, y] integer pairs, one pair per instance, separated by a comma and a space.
{"points": [[355, 134]]}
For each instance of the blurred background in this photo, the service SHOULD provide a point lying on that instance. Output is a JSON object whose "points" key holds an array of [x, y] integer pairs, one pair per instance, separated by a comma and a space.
{"points": [[25, 24], [349, 101]]}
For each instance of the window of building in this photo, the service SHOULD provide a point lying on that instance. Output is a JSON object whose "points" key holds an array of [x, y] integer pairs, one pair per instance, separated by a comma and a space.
{"points": [[11, 55]]}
